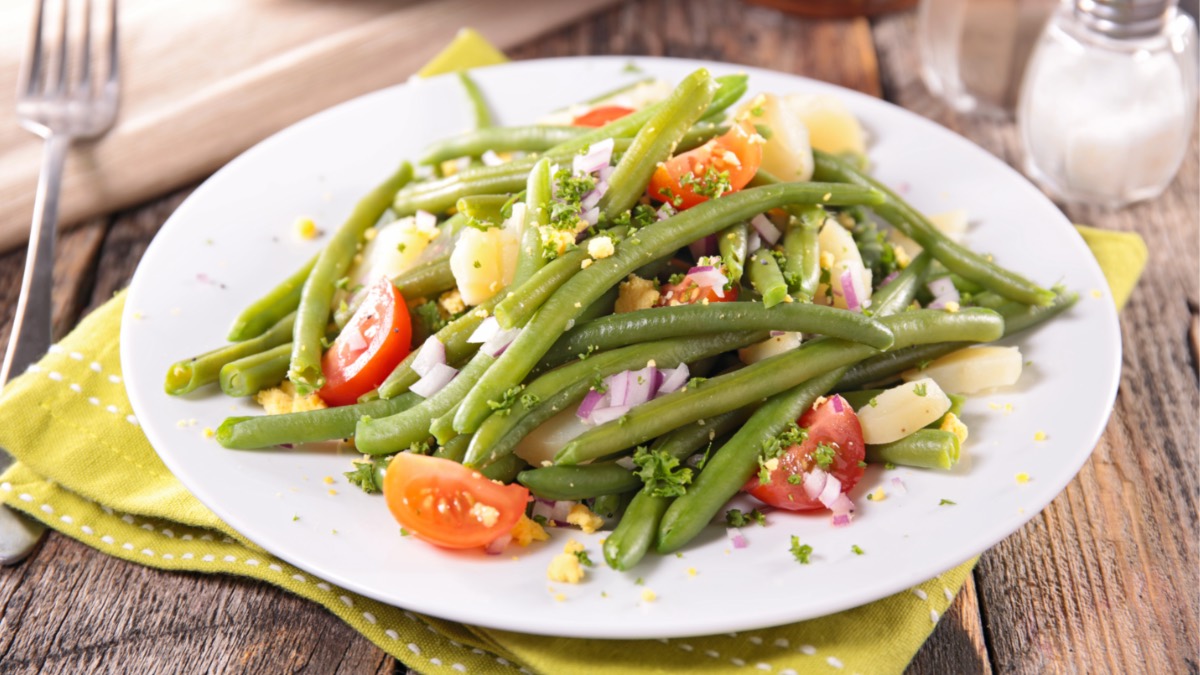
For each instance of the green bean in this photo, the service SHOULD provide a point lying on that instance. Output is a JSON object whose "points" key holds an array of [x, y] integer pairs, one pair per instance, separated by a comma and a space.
{"points": [[453, 335], [313, 314], [769, 377], [557, 389], [439, 195], [729, 89], [924, 448], [537, 215], [897, 295], [251, 374], [504, 470], [483, 208], [270, 308], [579, 482], [248, 433], [656, 141], [442, 426], [803, 256], [385, 435], [728, 469], [534, 138], [454, 449], [190, 374], [615, 92], [732, 245], [625, 547], [602, 306], [609, 507], [1017, 317], [426, 280], [910, 222], [650, 243], [618, 330], [483, 116], [767, 278]]}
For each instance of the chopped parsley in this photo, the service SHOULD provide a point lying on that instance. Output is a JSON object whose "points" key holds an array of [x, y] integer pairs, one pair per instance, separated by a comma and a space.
{"points": [[404, 532], [661, 473], [591, 349], [672, 198], [923, 364], [764, 131], [873, 402], [583, 558], [712, 184], [919, 389], [824, 455], [800, 552], [736, 518], [795, 479], [889, 465], [947, 502], [530, 400], [366, 476], [569, 191], [856, 550], [504, 406]]}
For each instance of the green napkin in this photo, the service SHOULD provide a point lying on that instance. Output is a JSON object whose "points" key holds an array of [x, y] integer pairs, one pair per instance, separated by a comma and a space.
{"points": [[85, 468]]}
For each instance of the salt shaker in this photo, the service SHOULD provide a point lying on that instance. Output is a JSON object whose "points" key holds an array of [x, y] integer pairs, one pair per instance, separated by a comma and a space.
{"points": [[1109, 99]]}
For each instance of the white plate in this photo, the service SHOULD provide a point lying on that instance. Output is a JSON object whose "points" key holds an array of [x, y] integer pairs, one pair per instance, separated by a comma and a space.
{"points": [[234, 238]]}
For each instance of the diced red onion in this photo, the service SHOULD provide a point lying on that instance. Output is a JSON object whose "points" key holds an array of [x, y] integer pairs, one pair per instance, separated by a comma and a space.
{"points": [[814, 482], [944, 292], [591, 199], [843, 504], [703, 246], [753, 243], [495, 345], [665, 211], [833, 488], [490, 158], [596, 158], [777, 333], [605, 173], [618, 387], [838, 403], [709, 277], [432, 352], [899, 487], [437, 378], [626, 463], [841, 520], [604, 415], [497, 546], [735, 536], [553, 511], [425, 220], [674, 379], [590, 402], [889, 278], [766, 229], [591, 216], [849, 291], [641, 386], [488, 328]]}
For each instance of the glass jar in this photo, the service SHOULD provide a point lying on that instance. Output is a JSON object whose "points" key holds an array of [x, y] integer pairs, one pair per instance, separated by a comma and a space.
{"points": [[1109, 100]]}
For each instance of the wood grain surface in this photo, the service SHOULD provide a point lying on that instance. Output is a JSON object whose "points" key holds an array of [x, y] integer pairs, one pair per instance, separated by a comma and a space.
{"points": [[1104, 580]]}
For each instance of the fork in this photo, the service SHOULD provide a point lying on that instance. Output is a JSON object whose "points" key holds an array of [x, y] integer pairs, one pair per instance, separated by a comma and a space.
{"points": [[68, 88]]}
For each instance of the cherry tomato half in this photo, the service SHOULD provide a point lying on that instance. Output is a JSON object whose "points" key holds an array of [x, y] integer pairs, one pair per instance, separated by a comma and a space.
{"points": [[738, 152], [601, 115], [373, 342], [447, 504], [689, 292], [827, 427]]}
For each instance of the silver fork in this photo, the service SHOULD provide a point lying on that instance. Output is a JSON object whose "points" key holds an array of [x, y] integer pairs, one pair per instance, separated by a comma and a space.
{"points": [[68, 89]]}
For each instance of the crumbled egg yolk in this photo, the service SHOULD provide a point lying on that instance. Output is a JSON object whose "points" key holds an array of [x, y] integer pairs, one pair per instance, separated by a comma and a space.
{"points": [[954, 425], [952, 306], [636, 293], [451, 302], [1039, 436], [527, 531], [826, 259], [555, 239], [600, 247], [306, 228], [565, 567], [878, 495], [583, 517], [284, 399], [585, 263], [902, 257], [649, 595], [208, 432], [1022, 478]]}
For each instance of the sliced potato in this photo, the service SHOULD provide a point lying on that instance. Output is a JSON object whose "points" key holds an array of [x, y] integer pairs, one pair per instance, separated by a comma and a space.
{"points": [[972, 370], [951, 223], [484, 261], [772, 346], [787, 153], [831, 126], [541, 444], [901, 410], [394, 249], [843, 256]]}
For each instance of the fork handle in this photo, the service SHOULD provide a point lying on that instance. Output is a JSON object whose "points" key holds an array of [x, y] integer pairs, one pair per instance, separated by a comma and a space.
{"points": [[31, 336]]}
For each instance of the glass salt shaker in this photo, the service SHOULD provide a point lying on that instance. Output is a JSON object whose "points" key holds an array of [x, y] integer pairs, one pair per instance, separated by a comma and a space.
{"points": [[1109, 99]]}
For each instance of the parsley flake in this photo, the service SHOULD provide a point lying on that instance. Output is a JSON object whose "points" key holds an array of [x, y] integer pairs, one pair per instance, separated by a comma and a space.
{"points": [[661, 472], [919, 389], [856, 549], [800, 552], [947, 502]]}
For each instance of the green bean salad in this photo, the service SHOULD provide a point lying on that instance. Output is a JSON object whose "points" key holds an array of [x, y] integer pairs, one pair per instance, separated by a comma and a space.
{"points": [[623, 316]]}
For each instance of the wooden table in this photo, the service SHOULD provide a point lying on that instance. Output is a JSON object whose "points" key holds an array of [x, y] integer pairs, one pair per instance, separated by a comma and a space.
{"points": [[1104, 580]]}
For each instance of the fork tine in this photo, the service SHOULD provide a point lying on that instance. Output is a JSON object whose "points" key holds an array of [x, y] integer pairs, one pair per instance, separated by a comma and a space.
{"points": [[32, 71], [85, 64], [63, 41], [113, 62]]}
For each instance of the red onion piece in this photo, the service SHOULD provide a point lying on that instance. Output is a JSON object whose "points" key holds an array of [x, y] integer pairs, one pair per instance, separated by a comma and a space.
{"points": [[843, 504], [889, 278], [591, 401], [596, 158], [591, 216], [490, 158], [618, 387], [766, 229], [838, 403], [753, 243], [496, 344], [487, 330], [665, 211], [591, 199], [709, 277], [703, 246], [899, 487], [497, 546], [841, 520], [604, 174], [603, 415], [437, 378], [849, 291], [674, 379], [814, 482], [833, 488], [944, 292], [641, 386], [432, 352], [626, 463], [735, 536]]}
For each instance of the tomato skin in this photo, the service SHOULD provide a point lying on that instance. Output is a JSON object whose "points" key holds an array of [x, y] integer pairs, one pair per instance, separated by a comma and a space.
{"points": [[601, 115], [742, 140], [825, 425], [352, 367], [688, 292], [433, 498]]}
